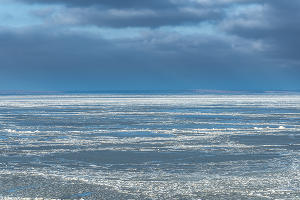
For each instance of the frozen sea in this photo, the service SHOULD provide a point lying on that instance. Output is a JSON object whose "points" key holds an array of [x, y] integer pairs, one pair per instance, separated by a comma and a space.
{"points": [[99, 146]]}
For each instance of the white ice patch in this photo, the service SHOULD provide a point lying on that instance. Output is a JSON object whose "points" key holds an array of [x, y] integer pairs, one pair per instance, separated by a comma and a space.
{"points": [[281, 127], [19, 131]]}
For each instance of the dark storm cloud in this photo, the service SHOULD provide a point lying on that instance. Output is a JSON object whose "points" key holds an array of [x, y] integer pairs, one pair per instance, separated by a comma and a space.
{"points": [[276, 25], [109, 3], [156, 60], [253, 44], [150, 4]]}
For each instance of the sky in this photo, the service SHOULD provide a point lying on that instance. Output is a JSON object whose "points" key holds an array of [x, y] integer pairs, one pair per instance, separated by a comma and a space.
{"points": [[149, 45]]}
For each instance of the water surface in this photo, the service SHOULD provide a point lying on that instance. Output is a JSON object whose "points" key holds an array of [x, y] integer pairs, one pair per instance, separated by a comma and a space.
{"points": [[150, 146]]}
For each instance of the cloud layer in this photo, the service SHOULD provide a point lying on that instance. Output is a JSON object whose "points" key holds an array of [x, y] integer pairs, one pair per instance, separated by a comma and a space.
{"points": [[224, 44]]}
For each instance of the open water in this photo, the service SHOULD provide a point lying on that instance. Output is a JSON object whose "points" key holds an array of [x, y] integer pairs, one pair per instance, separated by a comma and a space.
{"points": [[96, 146]]}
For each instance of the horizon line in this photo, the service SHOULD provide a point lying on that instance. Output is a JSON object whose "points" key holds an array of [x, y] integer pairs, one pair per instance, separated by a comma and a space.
{"points": [[147, 91]]}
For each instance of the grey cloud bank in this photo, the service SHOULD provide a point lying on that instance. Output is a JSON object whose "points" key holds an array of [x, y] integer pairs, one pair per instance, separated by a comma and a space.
{"points": [[153, 45]]}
